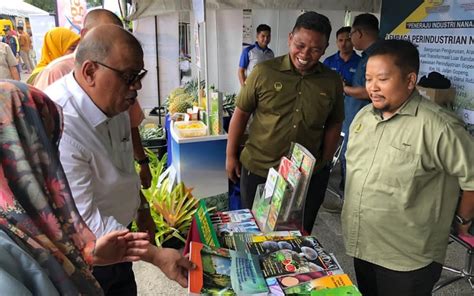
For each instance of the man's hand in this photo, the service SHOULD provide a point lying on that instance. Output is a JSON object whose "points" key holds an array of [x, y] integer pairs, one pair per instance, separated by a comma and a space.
{"points": [[237, 127], [145, 175], [146, 224], [174, 265], [232, 165], [463, 230], [120, 246]]}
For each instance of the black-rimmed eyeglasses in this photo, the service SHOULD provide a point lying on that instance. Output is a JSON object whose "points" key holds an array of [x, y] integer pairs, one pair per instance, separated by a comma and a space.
{"points": [[352, 32], [129, 77]]}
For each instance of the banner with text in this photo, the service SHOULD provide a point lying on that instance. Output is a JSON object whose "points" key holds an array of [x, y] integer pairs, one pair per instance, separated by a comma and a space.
{"points": [[443, 31], [71, 13]]}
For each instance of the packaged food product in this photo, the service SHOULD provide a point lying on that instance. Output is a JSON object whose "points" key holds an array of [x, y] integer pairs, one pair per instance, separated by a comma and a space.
{"points": [[188, 129]]}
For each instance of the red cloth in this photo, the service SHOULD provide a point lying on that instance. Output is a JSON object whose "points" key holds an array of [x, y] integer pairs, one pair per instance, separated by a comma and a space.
{"points": [[468, 239]]}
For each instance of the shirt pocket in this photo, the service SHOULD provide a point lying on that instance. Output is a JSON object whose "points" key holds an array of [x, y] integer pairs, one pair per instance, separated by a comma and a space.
{"points": [[272, 102], [316, 109], [398, 167]]}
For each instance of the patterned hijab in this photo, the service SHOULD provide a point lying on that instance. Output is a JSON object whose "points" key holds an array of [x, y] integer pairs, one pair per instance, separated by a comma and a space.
{"points": [[57, 42], [36, 206]]}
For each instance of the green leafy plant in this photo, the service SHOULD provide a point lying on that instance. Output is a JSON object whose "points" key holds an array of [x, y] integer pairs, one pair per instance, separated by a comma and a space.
{"points": [[152, 133], [172, 211], [176, 208], [229, 103]]}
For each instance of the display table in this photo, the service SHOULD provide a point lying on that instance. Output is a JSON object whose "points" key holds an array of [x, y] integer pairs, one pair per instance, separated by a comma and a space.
{"points": [[234, 257], [200, 163]]}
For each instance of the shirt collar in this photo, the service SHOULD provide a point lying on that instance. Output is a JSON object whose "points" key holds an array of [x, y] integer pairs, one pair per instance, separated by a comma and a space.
{"points": [[369, 50], [409, 107], [353, 56], [287, 65], [87, 107], [262, 49]]}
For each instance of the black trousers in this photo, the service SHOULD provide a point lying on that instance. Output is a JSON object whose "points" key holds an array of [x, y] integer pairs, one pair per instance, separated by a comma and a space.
{"points": [[375, 280], [116, 279], [314, 197]]}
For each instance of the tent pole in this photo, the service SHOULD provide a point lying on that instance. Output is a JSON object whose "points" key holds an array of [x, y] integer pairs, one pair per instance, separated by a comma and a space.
{"points": [[157, 70]]}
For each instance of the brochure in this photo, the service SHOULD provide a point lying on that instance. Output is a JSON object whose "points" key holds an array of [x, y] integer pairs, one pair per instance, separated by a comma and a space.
{"points": [[340, 291], [297, 255], [224, 272], [204, 226], [238, 240], [327, 282]]}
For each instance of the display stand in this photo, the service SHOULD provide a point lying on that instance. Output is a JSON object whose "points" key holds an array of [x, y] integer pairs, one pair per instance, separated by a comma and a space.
{"points": [[279, 203], [200, 163]]}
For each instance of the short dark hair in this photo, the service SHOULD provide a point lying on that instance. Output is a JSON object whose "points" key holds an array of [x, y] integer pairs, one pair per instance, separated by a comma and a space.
{"points": [[343, 30], [19, 27], [314, 21], [263, 27], [405, 54], [367, 22]]}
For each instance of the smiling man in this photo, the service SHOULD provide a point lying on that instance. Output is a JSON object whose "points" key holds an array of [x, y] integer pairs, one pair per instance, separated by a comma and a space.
{"points": [[293, 98], [255, 53], [407, 159]]}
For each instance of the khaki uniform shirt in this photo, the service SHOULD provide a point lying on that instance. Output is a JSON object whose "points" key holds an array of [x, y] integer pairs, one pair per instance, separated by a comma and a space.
{"points": [[7, 60], [287, 107], [403, 179]]}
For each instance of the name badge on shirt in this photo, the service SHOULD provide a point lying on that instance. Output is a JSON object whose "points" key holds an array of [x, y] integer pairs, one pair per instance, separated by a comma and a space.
{"points": [[278, 86]]}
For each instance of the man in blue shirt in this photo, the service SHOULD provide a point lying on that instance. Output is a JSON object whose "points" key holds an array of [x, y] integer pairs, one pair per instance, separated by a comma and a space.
{"points": [[255, 53], [364, 35], [345, 62]]}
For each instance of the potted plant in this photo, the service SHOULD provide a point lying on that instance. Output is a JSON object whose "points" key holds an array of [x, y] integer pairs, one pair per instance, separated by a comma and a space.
{"points": [[171, 206]]}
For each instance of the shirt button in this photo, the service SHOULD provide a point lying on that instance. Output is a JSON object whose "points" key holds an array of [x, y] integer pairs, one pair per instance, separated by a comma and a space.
{"points": [[294, 126], [297, 110], [299, 93]]}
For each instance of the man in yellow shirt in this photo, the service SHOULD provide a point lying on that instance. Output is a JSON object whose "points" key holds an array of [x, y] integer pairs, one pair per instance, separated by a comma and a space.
{"points": [[407, 159], [25, 48]]}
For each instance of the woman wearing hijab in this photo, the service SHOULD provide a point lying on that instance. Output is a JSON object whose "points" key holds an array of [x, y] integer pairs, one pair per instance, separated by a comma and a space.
{"points": [[45, 246], [57, 42]]}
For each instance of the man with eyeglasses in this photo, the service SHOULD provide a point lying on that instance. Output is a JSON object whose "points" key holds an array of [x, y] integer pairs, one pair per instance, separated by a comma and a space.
{"points": [[96, 147], [364, 35], [293, 98], [64, 65]]}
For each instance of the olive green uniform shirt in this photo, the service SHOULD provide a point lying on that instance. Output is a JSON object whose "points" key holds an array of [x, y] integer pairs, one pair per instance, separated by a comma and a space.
{"points": [[287, 107], [403, 180]]}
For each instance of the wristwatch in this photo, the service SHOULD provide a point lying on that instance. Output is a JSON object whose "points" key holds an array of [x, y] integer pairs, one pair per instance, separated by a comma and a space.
{"points": [[145, 160], [460, 220]]}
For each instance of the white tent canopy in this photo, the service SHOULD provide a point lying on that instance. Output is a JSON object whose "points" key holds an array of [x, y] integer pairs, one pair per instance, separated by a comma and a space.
{"points": [[19, 8], [145, 8]]}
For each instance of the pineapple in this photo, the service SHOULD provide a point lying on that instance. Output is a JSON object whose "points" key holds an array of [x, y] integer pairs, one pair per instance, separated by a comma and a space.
{"points": [[176, 92], [180, 104]]}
